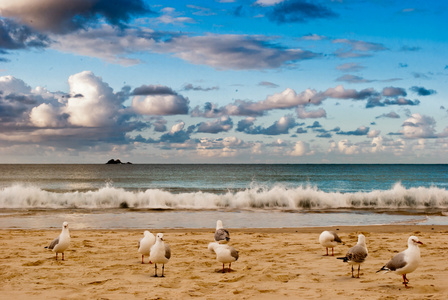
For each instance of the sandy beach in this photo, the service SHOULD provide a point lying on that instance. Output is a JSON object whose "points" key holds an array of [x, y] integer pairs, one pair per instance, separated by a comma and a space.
{"points": [[273, 264]]}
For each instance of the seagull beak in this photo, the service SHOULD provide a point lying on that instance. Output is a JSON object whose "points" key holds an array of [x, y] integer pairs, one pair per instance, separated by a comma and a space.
{"points": [[418, 242]]}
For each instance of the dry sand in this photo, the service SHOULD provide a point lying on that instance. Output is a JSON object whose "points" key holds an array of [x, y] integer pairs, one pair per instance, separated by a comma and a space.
{"points": [[273, 264]]}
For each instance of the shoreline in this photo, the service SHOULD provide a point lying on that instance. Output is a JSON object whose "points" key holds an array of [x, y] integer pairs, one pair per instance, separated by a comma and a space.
{"points": [[380, 228], [283, 263]]}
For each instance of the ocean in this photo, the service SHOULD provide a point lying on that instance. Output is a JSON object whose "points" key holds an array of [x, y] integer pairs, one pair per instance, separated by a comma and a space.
{"points": [[131, 196]]}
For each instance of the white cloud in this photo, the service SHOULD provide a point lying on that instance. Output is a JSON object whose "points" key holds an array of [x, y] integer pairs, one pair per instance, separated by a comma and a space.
{"points": [[160, 105], [93, 102], [419, 126], [300, 149]]}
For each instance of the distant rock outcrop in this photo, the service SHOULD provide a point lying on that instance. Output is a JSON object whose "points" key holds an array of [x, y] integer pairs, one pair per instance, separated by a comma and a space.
{"points": [[117, 162]]}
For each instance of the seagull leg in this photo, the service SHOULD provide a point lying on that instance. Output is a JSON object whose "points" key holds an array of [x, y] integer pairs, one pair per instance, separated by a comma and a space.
{"points": [[56, 256], [230, 267], [359, 267], [223, 268], [352, 272], [327, 251], [332, 251], [155, 275], [163, 270], [142, 259], [62, 255]]}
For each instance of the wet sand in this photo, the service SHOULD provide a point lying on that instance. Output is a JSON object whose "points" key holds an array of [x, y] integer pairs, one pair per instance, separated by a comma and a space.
{"points": [[274, 263]]}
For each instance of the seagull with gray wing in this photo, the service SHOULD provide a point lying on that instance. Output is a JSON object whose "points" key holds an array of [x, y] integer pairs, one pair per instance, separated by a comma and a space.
{"points": [[160, 253], [357, 254], [406, 261], [61, 243]]}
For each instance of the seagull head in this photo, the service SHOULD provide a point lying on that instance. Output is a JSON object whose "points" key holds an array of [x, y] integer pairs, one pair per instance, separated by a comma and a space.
{"points": [[65, 225], [146, 233], [160, 236], [413, 240]]}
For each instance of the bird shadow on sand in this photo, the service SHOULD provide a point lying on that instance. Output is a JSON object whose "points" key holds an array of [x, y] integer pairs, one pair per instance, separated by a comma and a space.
{"points": [[226, 270]]}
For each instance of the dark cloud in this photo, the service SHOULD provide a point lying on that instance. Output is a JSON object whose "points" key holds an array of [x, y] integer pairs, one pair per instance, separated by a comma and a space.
{"points": [[237, 52], [394, 92], [66, 16], [300, 130], [14, 36], [298, 11], [223, 124], [147, 90], [281, 126], [391, 115], [375, 102], [190, 87], [316, 124], [358, 132], [421, 91], [325, 135]]}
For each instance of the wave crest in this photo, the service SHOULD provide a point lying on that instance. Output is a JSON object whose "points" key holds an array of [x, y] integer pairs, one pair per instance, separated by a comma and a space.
{"points": [[277, 197]]}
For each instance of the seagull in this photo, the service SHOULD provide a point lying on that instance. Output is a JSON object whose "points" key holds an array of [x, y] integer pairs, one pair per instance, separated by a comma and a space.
{"points": [[329, 239], [145, 244], [61, 243], [225, 254], [406, 261], [222, 236], [160, 253], [357, 254]]}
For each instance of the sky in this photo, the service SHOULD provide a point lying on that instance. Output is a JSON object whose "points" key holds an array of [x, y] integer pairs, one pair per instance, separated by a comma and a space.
{"points": [[224, 81]]}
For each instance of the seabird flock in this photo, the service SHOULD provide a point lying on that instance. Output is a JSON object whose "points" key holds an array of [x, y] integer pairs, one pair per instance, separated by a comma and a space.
{"points": [[159, 252]]}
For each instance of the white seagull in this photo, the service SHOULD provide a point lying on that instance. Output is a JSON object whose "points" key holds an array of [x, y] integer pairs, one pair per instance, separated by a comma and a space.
{"points": [[329, 239], [145, 244], [61, 243], [406, 261], [357, 254], [222, 236], [225, 254], [160, 253]]}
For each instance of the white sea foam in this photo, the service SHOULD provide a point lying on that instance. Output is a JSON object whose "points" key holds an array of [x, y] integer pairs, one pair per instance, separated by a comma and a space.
{"points": [[277, 197]]}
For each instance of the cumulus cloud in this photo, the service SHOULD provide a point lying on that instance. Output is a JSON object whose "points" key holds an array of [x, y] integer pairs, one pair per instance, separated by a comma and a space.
{"points": [[222, 124], [159, 100], [300, 149], [394, 92], [419, 126], [66, 16], [313, 114], [99, 104]]}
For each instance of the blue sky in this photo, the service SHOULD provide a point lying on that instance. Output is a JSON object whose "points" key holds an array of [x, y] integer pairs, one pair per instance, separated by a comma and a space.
{"points": [[223, 81]]}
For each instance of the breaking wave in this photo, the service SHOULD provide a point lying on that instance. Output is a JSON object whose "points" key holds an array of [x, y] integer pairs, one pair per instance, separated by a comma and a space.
{"points": [[274, 198]]}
